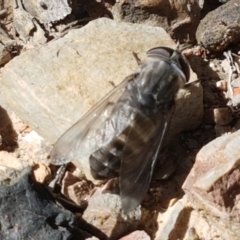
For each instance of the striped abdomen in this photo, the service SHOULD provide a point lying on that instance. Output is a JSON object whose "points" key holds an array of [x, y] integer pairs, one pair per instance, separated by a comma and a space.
{"points": [[132, 127]]}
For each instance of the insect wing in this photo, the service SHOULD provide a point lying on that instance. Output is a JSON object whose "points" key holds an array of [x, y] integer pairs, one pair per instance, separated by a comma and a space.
{"points": [[80, 139], [137, 168]]}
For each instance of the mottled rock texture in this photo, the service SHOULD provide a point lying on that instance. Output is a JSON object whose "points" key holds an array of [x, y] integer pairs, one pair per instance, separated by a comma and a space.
{"points": [[51, 87], [213, 183]]}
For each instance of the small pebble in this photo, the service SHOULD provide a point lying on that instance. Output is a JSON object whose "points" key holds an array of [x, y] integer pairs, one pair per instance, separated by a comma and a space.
{"points": [[222, 85], [41, 173], [222, 116]]}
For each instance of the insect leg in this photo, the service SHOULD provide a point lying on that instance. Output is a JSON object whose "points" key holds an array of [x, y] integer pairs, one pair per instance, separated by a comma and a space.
{"points": [[139, 62], [58, 178]]}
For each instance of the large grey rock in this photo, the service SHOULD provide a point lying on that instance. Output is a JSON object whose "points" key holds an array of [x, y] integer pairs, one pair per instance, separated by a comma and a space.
{"points": [[51, 87], [220, 27], [28, 211], [213, 184], [179, 18]]}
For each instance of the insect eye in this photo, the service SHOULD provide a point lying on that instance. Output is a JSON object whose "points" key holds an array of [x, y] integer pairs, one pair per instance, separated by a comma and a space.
{"points": [[147, 100], [168, 53], [161, 51]]}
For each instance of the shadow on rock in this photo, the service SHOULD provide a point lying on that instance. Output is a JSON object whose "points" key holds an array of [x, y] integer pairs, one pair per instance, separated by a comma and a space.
{"points": [[7, 132]]}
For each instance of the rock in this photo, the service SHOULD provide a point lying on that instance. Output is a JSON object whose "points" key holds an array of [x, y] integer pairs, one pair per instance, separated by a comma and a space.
{"points": [[47, 11], [26, 25], [38, 216], [136, 235], [20, 146], [192, 235], [4, 55], [51, 87], [8, 162], [170, 220], [181, 221], [220, 116], [23, 23], [221, 27], [36, 149], [213, 184], [41, 173], [104, 212], [75, 189], [179, 18]]}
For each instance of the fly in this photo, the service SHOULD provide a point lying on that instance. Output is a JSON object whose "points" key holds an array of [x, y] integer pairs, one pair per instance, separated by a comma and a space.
{"points": [[123, 134]]}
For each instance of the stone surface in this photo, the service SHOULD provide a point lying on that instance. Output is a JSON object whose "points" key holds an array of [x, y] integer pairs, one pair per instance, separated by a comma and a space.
{"points": [[104, 212], [181, 221], [47, 11], [220, 27], [8, 164], [179, 18], [41, 173], [169, 220], [213, 184], [51, 87], [75, 189], [23, 23], [19, 146]]}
